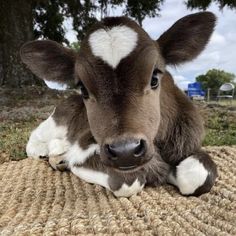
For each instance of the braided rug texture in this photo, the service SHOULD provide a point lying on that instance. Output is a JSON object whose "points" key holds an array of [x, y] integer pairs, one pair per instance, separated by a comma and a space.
{"points": [[35, 200]]}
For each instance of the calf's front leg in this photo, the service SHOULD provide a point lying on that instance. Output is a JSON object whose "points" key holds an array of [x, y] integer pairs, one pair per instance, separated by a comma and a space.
{"points": [[194, 175], [48, 139], [120, 184]]}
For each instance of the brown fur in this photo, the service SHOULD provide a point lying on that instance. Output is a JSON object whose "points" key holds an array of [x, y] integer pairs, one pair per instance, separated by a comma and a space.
{"points": [[77, 122], [184, 34], [121, 103], [37, 56], [182, 127]]}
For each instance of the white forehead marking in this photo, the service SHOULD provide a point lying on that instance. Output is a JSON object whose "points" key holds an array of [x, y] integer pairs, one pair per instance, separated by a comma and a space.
{"points": [[113, 44]]}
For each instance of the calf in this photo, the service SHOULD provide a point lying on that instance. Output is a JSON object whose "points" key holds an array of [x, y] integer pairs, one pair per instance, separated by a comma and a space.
{"points": [[130, 126]]}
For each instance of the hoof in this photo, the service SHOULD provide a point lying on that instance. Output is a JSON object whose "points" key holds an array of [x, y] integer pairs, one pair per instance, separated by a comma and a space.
{"points": [[62, 166], [44, 158], [58, 163]]}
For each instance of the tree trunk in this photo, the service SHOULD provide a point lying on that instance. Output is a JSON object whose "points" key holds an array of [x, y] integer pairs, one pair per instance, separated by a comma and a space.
{"points": [[16, 28]]}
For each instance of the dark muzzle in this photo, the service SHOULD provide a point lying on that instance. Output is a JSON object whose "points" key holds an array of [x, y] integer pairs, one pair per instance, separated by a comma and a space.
{"points": [[125, 154]]}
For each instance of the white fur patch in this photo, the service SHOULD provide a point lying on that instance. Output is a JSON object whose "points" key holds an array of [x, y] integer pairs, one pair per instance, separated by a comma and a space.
{"points": [[38, 144], [190, 175], [91, 176], [58, 147], [127, 191], [48, 139], [77, 155], [55, 85], [35, 148], [113, 44]]}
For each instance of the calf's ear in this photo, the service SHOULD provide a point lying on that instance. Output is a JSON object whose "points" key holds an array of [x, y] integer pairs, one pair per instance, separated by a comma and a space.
{"points": [[184, 40], [49, 60]]}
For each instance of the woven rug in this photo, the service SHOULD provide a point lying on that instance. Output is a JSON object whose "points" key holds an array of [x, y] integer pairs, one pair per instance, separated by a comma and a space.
{"points": [[35, 200]]}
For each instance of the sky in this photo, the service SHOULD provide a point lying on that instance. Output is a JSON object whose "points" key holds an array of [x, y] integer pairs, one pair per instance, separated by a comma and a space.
{"points": [[220, 52]]}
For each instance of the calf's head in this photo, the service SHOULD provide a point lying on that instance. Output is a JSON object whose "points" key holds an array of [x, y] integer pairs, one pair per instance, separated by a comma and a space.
{"points": [[119, 72]]}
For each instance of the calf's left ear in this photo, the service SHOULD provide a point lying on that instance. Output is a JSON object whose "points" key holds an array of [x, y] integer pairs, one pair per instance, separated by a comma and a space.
{"points": [[49, 60], [187, 37]]}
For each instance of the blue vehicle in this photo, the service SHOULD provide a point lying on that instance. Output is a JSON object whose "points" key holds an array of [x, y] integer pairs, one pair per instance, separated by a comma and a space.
{"points": [[195, 91]]}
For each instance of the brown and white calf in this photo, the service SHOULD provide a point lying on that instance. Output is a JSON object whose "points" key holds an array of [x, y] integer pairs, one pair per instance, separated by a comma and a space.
{"points": [[130, 126]]}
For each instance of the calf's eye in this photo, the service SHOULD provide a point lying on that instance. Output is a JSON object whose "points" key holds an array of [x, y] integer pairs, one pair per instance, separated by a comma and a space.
{"points": [[82, 90], [155, 79]]}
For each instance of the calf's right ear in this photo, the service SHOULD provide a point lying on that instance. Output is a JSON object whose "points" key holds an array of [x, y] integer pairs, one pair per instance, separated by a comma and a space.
{"points": [[49, 60]]}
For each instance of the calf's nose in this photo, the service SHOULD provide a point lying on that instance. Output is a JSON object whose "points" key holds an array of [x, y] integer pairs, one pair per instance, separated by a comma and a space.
{"points": [[126, 154]]}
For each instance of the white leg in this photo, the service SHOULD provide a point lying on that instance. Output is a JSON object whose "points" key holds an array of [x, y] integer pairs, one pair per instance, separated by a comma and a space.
{"points": [[91, 176], [57, 154], [38, 144], [194, 175], [36, 149], [103, 179], [64, 155], [58, 147]]}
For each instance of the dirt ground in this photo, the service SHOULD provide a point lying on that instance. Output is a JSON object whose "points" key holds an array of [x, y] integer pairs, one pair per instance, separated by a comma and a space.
{"points": [[21, 110]]}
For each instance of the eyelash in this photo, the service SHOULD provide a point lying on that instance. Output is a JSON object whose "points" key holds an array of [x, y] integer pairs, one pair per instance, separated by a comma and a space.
{"points": [[155, 78], [82, 90]]}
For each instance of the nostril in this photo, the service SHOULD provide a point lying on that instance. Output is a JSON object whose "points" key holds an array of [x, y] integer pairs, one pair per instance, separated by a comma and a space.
{"points": [[111, 152], [140, 148]]}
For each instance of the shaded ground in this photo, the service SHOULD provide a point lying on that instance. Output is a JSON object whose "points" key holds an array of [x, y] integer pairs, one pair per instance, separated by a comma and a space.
{"points": [[21, 110]]}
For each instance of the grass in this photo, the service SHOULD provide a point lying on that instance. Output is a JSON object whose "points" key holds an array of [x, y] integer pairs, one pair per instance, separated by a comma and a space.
{"points": [[14, 136], [224, 102], [220, 127]]}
